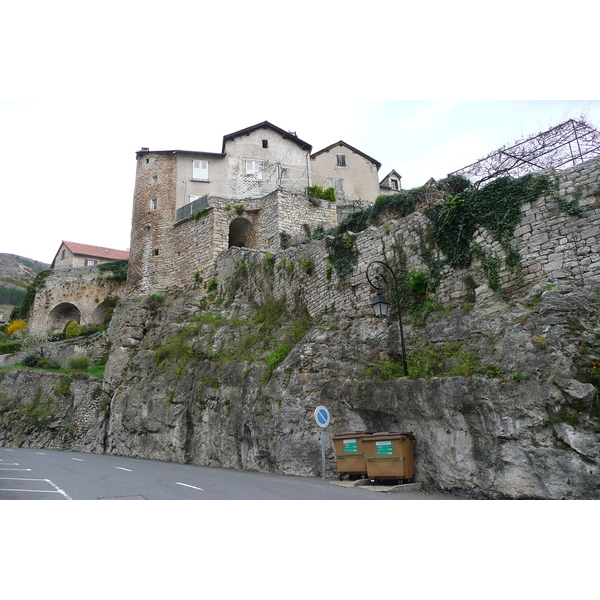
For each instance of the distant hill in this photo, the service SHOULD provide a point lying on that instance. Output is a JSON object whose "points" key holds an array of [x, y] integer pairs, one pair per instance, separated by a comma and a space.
{"points": [[16, 273]]}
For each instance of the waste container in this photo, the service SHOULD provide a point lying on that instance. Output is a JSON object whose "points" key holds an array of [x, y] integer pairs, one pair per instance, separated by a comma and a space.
{"points": [[389, 455], [349, 454]]}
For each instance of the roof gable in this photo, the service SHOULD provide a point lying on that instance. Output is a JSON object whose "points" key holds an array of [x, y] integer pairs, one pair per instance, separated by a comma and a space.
{"points": [[392, 173], [93, 251], [344, 144], [266, 125]]}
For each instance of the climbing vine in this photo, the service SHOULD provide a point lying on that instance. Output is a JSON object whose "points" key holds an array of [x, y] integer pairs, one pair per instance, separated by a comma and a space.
{"points": [[343, 253], [495, 207]]}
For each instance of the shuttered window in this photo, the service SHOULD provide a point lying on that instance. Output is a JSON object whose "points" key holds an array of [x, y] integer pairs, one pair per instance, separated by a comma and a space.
{"points": [[254, 167], [200, 169]]}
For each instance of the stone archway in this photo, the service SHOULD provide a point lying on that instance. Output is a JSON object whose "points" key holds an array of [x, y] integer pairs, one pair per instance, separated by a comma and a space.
{"points": [[60, 315], [240, 233], [101, 312]]}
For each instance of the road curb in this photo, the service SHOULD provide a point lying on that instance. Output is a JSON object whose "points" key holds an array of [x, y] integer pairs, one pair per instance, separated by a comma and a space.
{"points": [[386, 489]]}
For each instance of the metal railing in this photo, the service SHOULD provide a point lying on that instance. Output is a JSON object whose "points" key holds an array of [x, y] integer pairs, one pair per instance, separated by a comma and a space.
{"points": [[192, 207]]}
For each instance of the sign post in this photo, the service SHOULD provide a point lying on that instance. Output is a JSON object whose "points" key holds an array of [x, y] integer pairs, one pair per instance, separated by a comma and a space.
{"points": [[322, 417]]}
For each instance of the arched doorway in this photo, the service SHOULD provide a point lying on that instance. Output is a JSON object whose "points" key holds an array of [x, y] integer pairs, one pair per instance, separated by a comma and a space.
{"points": [[60, 315], [103, 312], [240, 232]]}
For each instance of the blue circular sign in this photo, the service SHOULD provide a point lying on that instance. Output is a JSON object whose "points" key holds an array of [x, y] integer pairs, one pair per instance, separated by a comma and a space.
{"points": [[322, 416]]}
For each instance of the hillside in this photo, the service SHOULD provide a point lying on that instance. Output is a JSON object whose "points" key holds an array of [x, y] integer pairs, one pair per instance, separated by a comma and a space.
{"points": [[16, 273]]}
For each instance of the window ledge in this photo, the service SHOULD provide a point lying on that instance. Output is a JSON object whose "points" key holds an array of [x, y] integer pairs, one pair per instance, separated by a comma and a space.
{"points": [[201, 180]]}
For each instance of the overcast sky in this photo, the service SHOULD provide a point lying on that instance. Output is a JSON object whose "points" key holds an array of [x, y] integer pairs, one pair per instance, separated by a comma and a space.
{"points": [[88, 88]]}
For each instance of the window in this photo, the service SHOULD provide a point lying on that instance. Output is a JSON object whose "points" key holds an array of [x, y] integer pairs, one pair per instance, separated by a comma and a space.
{"points": [[154, 204], [154, 178], [394, 184], [285, 173], [265, 143], [341, 160], [155, 251], [337, 183], [90, 263], [200, 170], [254, 168], [63, 254]]}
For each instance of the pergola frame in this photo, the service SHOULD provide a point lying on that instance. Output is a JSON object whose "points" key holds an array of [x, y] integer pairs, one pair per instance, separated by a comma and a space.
{"points": [[569, 143]]}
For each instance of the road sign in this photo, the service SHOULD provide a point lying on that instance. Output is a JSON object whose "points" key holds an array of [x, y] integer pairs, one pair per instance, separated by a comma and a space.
{"points": [[322, 416]]}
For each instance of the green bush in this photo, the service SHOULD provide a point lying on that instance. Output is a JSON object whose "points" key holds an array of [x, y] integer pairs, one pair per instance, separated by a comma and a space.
{"points": [[31, 360], [72, 329], [316, 191], [10, 347], [79, 363]]}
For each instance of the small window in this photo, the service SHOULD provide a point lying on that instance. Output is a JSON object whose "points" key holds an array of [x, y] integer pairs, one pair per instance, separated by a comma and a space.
{"points": [[341, 160], [63, 254], [337, 184], [147, 161], [154, 204], [90, 263], [155, 252], [265, 143], [154, 178], [254, 168], [200, 170], [394, 184]]}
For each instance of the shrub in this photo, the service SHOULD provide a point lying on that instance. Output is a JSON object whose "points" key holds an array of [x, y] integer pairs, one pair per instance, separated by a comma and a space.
{"points": [[31, 360], [79, 363], [73, 329], [10, 347], [316, 191], [14, 326]]}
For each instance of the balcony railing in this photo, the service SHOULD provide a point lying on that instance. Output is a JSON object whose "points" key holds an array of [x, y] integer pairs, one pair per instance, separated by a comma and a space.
{"points": [[191, 208]]}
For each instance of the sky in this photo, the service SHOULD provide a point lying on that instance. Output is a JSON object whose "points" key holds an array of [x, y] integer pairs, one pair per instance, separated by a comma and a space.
{"points": [[84, 88]]}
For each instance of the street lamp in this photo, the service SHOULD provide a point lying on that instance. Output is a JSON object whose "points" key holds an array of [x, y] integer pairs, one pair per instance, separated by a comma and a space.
{"points": [[381, 305]]}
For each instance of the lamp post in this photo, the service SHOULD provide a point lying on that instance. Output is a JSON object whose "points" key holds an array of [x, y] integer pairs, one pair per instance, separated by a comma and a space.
{"points": [[380, 304]]}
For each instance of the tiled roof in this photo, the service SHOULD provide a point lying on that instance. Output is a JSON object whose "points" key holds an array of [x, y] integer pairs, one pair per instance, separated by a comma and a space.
{"points": [[266, 125], [93, 251], [342, 143], [97, 251]]}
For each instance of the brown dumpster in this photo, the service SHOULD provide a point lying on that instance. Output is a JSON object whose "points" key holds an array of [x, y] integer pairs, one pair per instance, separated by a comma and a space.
{"points": [[389, 455], [349, 454]]}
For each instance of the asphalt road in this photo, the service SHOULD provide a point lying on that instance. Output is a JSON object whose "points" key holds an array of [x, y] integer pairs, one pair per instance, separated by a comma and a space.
{"points": [[30, 474]]}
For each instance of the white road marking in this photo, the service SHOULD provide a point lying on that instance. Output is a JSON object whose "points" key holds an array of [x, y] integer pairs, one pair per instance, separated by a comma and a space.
{"points": [[190, 486], [59, 490], [79, 459], [14, 469], [56, 490], [42, 453], [123, 469]]}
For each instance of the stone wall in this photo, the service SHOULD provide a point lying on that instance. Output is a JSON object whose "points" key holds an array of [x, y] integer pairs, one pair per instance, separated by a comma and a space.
{"points": [[81, 294], [167, 255], [555, 246], [153, 252]]}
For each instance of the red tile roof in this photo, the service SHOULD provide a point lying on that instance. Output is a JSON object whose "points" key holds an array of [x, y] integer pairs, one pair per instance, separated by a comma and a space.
{"points": [[93, 251], [97, 251]]}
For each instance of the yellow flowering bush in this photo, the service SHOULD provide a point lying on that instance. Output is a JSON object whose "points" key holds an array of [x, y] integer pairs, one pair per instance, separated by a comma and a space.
{"points": [[14, 326]]}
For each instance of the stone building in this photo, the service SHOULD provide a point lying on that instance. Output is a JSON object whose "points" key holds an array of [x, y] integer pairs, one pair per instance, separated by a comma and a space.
{"points": [[391, 183], [71, 254], [189, 206]]}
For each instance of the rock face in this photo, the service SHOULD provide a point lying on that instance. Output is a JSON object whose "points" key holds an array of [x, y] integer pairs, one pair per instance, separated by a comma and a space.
{"points": [[502, 396], [185, 384]]}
